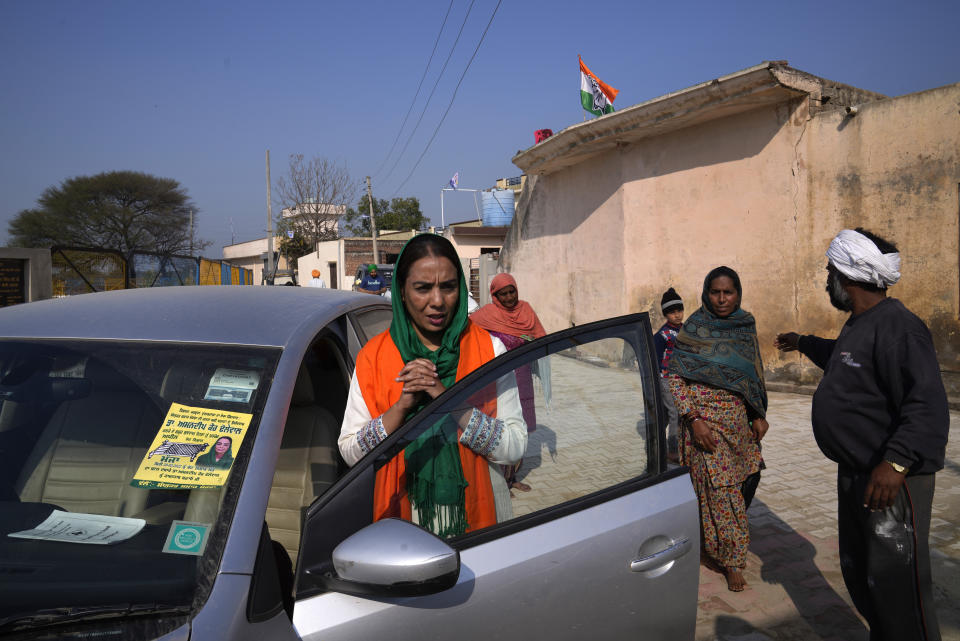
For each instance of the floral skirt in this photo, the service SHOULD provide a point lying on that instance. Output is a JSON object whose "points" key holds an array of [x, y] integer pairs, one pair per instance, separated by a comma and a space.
{"points": [[717, 477]]}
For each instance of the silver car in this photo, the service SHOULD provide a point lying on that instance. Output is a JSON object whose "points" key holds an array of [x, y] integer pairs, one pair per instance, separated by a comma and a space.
{"points": [[170, 470]]}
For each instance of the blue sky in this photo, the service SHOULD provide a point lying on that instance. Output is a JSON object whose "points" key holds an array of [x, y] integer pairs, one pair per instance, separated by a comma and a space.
{"points": [[197, 91]]}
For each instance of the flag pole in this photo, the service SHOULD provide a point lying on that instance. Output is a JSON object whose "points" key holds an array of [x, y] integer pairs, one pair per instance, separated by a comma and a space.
{"points": [[582, 110]]}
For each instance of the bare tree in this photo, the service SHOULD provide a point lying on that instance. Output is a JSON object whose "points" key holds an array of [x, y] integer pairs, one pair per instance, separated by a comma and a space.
{"points": [[313, 196]]}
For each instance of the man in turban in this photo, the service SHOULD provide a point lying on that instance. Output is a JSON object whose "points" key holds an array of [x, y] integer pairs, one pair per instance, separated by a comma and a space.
{"points": [[881, 413], [316, 280]]}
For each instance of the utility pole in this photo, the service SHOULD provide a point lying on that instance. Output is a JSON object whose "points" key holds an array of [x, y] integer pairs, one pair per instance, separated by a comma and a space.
{"points": [[271, 266], [373, 223], [191, 232]]}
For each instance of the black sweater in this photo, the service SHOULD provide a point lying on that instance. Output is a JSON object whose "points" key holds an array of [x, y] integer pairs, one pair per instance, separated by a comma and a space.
{"points": [[881, 397]]}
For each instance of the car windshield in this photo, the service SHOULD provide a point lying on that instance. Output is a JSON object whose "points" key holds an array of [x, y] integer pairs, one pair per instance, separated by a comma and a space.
{"points": [[121, 462]]}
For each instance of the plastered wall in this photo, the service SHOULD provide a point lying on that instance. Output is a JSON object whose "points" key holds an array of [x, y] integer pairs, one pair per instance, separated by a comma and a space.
{"points": [[762, 192]]}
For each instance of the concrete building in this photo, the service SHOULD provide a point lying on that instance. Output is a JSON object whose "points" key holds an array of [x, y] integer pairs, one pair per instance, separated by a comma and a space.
{"points": [[514, 183], [314, 219], [756, 170], [249, 255], [478, 247], [25, 275], [339, 259], [472, 240]]}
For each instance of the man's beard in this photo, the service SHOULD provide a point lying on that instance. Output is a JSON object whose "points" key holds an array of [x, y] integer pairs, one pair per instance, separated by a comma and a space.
{"points": [[839, 297]]}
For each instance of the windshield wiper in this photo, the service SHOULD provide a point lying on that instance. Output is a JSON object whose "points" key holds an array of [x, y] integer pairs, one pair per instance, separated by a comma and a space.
{"points": [[55, 616]]}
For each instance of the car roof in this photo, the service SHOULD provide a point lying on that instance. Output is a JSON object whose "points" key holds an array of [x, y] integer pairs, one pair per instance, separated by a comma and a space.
{"points": [[248, 315]]}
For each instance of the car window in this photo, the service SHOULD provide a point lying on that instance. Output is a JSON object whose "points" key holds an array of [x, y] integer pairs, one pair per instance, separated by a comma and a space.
{"points": [[373, 321], [122, 462], [554, 430], [309, 460]]}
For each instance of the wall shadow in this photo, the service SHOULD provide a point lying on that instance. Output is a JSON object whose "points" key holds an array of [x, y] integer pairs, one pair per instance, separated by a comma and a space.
{"points": [[582, 189], [537, 440], [787, 560]]}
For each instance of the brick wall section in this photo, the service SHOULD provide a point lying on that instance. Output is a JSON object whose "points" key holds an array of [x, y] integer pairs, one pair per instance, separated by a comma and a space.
{"points": [[358, 251]]}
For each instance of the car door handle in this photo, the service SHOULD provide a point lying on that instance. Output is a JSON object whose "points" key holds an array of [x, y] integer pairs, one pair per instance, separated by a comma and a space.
{"points": [[664, 556]]}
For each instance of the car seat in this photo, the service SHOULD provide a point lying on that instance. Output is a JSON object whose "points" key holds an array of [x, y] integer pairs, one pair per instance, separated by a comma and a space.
{"points": [[307, 463], [92, 446]]}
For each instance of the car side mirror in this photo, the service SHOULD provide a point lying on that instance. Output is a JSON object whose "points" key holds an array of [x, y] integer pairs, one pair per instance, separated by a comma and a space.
{"points": [[393, 557]]}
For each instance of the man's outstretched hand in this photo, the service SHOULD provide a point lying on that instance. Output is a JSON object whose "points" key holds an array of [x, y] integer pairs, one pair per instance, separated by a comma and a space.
{"points": [[787, 342]]}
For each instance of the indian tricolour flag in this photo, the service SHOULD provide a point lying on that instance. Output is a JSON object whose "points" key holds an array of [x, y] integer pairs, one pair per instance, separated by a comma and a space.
{"points": [[596, 96]]}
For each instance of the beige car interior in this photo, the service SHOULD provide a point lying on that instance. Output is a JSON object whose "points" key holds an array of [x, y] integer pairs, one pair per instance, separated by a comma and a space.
{"points": [[84, 463], [309, 460], [92, 446]]}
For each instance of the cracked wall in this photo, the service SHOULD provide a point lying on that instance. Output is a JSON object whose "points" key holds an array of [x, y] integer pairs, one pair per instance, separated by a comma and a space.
{"points": [[763, 192], [893, 168]]}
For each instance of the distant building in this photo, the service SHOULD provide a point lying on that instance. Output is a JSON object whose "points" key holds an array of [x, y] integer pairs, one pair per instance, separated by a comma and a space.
{"points": [[756, 170], [324, 215], [251, 255], [515, 183], [339, 259], [478, 247]]}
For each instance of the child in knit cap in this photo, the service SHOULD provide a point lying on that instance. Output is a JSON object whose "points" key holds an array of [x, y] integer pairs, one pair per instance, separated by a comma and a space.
{"points": [[672, 307]]}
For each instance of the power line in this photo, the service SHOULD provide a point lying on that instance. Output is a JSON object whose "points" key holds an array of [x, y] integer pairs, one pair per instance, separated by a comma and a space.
{"points": [[430, 97], [452, 98], [417, 94]]}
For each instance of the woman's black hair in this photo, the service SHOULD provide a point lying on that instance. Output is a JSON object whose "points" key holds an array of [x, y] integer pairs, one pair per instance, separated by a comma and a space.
{"points": [[226, 437], [424, 245], [715, 273]]}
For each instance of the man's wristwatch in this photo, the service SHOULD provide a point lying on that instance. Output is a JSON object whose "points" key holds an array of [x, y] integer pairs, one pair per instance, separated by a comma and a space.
{"points": [[896, 466]]}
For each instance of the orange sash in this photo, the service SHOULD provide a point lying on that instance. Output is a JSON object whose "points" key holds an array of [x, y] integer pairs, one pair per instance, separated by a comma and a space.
{"points": [[377, 365]]}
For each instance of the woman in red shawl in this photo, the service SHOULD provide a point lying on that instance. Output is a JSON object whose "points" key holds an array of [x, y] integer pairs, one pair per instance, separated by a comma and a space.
{"points": [[514, 322]]}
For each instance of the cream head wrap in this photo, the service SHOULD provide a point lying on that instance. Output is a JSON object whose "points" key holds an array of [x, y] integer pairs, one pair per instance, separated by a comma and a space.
{"points": [[857, 257]]}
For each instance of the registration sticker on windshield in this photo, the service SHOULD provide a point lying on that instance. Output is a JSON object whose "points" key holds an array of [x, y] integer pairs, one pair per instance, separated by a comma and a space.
{"points": [[233, 385], [186, 537], [72, 527], [193, 449]]}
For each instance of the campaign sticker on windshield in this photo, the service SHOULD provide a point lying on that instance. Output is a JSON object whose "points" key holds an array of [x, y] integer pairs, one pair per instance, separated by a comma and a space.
{"points": [[72, 527], [193, 449], [186, 537], [233, 385]]}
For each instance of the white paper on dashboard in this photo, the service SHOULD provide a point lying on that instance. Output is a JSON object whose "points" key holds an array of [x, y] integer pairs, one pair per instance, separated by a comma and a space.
{"points": [[234, 385], [71, 527]]}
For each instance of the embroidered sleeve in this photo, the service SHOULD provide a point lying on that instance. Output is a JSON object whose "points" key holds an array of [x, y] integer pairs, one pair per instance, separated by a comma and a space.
{"points": [[483, 433], [371, 434]]}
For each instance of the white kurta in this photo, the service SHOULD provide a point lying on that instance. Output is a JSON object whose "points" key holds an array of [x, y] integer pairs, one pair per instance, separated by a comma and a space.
{"points": [[505, 446]]}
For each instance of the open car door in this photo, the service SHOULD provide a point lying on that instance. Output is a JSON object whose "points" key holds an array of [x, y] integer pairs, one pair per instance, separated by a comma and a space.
{"points": [[604, 545]]}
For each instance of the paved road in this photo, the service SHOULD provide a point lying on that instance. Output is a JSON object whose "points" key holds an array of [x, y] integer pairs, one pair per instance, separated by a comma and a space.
{"points": [[796, 591]]}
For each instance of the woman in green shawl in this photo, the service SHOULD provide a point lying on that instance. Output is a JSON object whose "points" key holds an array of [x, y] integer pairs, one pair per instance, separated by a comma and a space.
{"points": [[220, 456], [446, 480], [716, 377]]}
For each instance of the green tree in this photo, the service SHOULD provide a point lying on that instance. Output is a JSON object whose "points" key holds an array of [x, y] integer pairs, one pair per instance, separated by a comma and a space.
{"points": [[397, 214], [294, 248], [123, 210]]}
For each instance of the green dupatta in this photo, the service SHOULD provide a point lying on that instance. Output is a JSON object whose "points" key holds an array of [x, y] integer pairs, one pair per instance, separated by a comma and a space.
{"points": [[722, 352], [435, 481]]}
